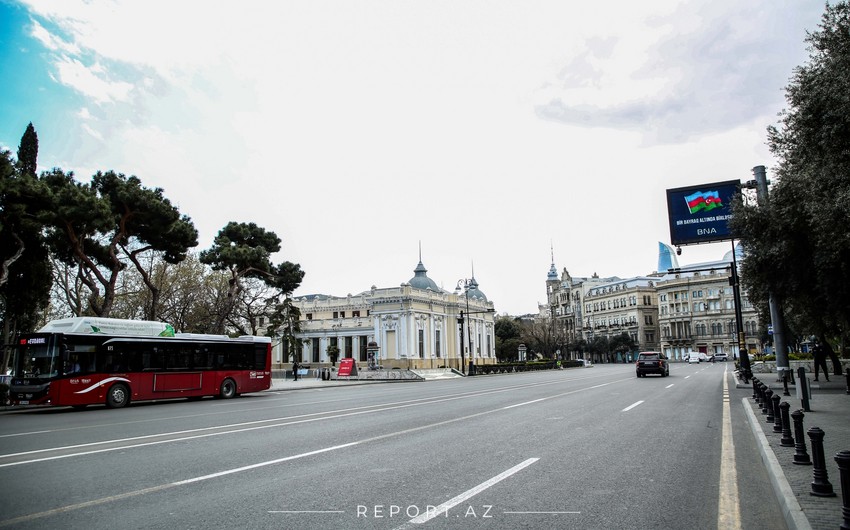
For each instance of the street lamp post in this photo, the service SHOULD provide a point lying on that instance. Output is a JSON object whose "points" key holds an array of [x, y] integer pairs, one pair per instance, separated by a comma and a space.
{"points": [[466, 285]]}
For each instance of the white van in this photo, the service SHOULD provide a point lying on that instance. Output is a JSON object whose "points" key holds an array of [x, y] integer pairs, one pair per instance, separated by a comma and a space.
{"points": [[693, 357]]}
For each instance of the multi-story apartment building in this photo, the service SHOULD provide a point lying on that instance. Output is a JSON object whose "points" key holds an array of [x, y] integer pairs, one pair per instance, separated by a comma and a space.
{"points": [[623, 306], [675, 310], [415, 325], [697, 311], [565, 301]]}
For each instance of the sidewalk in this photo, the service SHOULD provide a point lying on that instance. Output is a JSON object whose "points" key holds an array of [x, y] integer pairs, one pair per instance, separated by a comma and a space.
{"points": [[830, 411]]}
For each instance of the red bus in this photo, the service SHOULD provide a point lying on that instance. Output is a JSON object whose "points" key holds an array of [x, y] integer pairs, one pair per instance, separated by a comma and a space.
{"points": [[85, 361]]}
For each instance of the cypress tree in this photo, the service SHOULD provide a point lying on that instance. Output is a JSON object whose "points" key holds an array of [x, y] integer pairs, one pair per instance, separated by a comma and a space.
{"points": [[28, 151]]}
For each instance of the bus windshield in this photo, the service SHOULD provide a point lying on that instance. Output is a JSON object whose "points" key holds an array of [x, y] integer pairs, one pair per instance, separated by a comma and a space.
{"points": [[35, 361]]}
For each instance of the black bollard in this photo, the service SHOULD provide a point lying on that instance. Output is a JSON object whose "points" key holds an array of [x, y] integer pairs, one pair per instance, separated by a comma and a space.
{"points": [[768, 405], [801, 456], [847, 376], [777, 414], [785, 382], [842, 458], [820, 478], [804, 388], [755, 389], [787, 440]]}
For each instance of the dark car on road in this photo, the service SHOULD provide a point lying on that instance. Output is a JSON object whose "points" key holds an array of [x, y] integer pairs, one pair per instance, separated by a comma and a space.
{"points": [[652, 362]]}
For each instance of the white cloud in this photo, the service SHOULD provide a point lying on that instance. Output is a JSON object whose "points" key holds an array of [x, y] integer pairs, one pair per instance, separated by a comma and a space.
{"points": [[89, 81], [356, 129]]}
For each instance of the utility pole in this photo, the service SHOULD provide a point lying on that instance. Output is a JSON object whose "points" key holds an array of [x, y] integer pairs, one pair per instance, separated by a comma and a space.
{"points": [[782, 367]]}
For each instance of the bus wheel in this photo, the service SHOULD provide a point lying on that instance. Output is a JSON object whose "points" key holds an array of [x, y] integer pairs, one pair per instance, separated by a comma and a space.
{"points": [[118, 396], [228, 389]]}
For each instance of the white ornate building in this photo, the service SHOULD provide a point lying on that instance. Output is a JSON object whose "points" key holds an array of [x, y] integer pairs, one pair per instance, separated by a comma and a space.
{"points": [[415, 325]]}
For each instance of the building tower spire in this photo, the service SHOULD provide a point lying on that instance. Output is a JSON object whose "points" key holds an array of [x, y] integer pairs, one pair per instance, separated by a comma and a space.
{"points": [[553, 272]]}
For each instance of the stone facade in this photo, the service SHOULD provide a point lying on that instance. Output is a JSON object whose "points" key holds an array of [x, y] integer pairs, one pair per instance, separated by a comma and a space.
{"points": [[697, 313], [416, 326], [685, 309]]}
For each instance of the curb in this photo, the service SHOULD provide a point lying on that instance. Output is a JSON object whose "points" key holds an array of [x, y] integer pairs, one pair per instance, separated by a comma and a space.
{"points": [[794, 516]]}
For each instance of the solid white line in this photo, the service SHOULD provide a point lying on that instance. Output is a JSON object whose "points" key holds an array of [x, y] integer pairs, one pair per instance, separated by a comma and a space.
{"points": [[451, 503], [728, 510], [261, 464], [633, 405], [523, 404]]}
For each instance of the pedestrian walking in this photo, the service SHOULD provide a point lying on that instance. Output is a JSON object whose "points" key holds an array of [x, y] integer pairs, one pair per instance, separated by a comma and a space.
{"points": [[295, 370], [820, 360]]}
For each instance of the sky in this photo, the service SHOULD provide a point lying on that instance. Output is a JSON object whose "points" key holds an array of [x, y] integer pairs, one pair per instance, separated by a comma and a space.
{"points": [[489, 136]]}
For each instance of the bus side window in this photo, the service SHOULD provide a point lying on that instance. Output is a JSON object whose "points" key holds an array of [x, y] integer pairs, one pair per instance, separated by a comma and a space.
{"points": [[202, 359]]}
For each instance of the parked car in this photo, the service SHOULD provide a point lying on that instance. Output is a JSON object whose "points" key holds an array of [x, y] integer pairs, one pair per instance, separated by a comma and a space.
{"points": [[693, 358], [652, 362], [721, 357]]}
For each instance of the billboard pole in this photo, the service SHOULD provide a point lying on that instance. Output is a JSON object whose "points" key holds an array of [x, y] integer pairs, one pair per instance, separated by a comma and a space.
{"points": [[743, 356]]}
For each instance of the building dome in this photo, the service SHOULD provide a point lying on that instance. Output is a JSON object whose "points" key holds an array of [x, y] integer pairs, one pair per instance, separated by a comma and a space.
{"points": [[474, 292], [553, 274], [421, 280]]}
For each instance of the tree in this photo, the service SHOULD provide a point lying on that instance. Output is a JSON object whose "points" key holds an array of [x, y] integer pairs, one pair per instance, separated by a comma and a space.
{"points": [[333, 353], [28, 151], [622, 344], [146, 222], [599, 348], [508, 337], [541, 336], [97, 227], [77, 232], [24, 266], [798, 246], [285, 321], [244, 251]]}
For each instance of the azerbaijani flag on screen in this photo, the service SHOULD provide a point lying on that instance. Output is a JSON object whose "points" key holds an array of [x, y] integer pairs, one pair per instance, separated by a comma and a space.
{"points": [[703, 200]]}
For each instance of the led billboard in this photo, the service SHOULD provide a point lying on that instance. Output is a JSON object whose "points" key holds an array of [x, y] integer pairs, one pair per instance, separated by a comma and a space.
{"points": [[700, 214]]}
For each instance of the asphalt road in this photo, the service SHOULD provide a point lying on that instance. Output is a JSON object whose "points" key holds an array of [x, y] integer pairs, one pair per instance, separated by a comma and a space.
{"points": [[579, 448]]}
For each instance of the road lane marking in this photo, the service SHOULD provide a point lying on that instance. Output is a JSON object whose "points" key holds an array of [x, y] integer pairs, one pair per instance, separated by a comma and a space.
{"points": [[522, 404], [112, 425], [668, 386], [728, 510], [162, 487], [193, 434], [451, 503], [633, 405]]}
